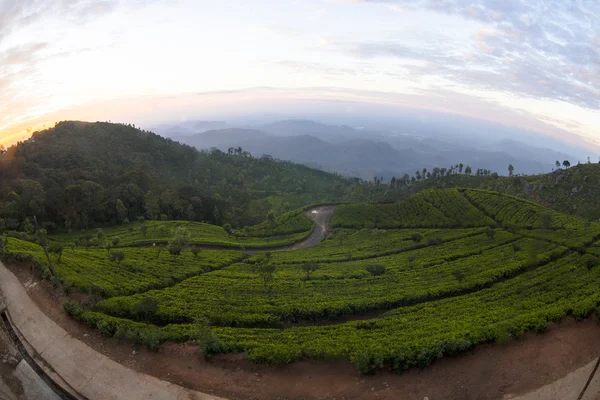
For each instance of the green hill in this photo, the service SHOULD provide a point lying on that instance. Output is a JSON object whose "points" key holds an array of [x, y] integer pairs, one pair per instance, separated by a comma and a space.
{"points": [[80, 175], [396, 285], [574, 191]]}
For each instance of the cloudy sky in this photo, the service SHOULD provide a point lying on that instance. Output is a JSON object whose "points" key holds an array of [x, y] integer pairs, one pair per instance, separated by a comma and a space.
{"points": [[534, 64]]}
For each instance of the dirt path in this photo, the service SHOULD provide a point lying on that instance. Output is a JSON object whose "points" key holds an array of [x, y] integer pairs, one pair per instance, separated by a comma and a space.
{"points": [[89, 372], [322, 217]]}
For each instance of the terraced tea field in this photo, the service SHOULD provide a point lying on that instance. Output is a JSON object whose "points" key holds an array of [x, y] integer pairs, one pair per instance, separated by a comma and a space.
{"points": [[395, 285]]}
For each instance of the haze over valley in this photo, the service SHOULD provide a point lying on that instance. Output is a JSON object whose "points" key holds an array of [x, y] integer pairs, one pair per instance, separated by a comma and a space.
{"points": [[365, 153]]}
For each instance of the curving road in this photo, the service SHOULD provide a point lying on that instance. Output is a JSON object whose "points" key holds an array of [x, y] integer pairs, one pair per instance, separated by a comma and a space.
{"points": [[322, 217]]}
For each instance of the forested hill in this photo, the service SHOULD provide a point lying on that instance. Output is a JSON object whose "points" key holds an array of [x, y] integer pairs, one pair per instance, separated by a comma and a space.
{"points": [[80, 174]]}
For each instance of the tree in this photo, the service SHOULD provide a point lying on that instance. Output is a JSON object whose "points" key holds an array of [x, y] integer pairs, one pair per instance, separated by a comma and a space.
{"points": [[490, 232], [42, 240], [546, 219], [174, 249], [566, 164], [144, 230], [265, 270], [151, 205], [181, 237], [3, 243], [458, 275], [308, 267], [115, 241], [216, 215], [195, 250], [468, 170], [460, 168], [117, 256], [375, 269], [121, 211], [99, 233], [56, 249], [511, 169]]}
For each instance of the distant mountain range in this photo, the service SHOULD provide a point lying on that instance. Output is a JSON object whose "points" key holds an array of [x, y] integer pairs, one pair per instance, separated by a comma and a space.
{"points": [[361, 153]]}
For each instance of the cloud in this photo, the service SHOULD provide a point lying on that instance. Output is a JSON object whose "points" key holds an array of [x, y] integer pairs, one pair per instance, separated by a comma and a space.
{"points": [[20, 59], [302, 67], [18, 14], [544, 50]]}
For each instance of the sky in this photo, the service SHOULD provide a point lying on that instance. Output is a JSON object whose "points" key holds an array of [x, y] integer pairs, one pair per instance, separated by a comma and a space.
{"points": [[532, 64]]}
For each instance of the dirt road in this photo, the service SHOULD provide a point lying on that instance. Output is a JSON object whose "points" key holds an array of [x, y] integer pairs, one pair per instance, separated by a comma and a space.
{"points": [[322, 218]]}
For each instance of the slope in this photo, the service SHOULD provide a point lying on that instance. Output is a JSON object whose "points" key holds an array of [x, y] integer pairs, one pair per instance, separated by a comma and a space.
{"points": [[496, 267], [574, 190], [79, 174]]}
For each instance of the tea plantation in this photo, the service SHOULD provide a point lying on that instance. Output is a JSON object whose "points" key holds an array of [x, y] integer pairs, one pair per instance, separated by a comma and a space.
{"points": [[395, 285]]}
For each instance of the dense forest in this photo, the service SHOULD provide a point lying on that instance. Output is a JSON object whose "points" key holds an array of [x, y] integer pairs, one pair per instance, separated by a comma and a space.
{"points": [[79, 175]]}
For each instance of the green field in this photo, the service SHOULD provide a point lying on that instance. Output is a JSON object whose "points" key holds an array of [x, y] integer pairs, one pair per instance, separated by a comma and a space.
{"points": [[287, 229], [395, 285]]}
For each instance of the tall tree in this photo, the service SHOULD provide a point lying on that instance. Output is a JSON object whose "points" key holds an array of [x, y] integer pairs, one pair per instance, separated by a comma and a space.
{"points": [[121, 211], [511, 169], [265, 270], [308, 267]]}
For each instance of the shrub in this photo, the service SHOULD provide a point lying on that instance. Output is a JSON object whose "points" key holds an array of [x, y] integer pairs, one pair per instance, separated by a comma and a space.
{"points": [[117, 256], [458, 274], [146, 308], [375, 269], [151, 338], [417, 237], [174, 250], [366, 363], [208, 342], [73, 308], [56, 249]]}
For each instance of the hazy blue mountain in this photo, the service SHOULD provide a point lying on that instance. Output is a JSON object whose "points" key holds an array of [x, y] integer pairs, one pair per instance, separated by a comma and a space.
{"points": [[368, 153], [188, 128]]}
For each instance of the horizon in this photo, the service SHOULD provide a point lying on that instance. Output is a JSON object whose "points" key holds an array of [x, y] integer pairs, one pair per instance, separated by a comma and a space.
{"points": [[516, 64]]}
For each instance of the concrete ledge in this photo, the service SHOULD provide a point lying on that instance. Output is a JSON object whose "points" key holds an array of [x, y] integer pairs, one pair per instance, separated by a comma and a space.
{"points": [[89, 374], [58, 386]]}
